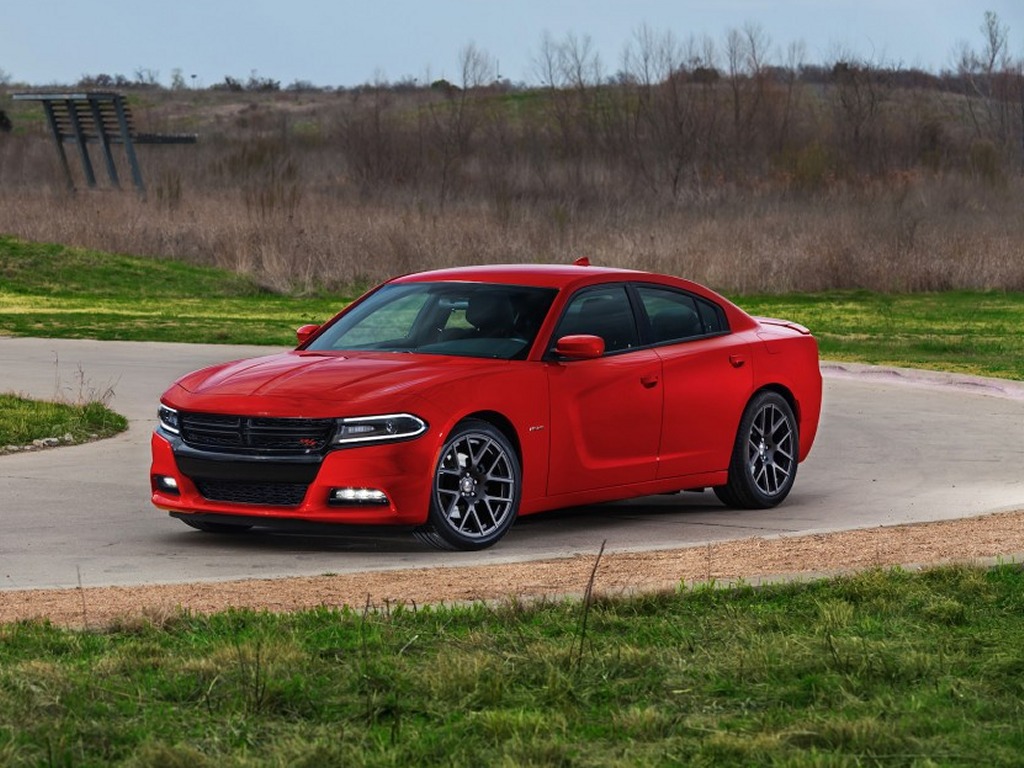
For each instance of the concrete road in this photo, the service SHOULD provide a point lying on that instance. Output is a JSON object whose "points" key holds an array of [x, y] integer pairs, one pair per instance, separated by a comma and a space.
{"points": [[894, 447]]}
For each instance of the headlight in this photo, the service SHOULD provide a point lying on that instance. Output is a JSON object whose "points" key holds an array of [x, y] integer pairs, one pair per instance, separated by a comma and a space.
{"points": [[366, 429], [168, 419]]}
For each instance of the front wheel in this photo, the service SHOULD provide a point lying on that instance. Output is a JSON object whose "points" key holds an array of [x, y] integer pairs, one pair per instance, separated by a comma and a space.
{"points": [[764, 458], [476, 489]]}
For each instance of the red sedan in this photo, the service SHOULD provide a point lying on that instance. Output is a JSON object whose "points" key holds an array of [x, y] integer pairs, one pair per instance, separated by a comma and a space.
{"points": [[454, 401]]}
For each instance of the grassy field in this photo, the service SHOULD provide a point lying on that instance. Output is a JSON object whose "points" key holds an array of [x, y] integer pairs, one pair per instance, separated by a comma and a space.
{"points": [[978, 333], [791, 179], [53, 291], [882, 668], [22, 421], [58, 292]]}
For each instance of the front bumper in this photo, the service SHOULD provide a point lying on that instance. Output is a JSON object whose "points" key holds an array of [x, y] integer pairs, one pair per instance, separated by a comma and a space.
{"points": [[297, 489]]}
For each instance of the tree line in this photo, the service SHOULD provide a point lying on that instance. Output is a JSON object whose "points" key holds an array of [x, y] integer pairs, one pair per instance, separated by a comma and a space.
{"points": [[680, 119]]}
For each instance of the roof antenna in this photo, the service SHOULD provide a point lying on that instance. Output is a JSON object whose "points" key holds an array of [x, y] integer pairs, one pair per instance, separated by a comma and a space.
{"points": [[582, 261]]}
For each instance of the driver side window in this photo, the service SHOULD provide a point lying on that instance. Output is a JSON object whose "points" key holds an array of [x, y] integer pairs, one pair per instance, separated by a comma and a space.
{"points": [[604, 312]]}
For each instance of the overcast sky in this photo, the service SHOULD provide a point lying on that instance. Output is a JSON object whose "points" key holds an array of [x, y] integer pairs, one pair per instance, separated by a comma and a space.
{"points": [[345, 42]]}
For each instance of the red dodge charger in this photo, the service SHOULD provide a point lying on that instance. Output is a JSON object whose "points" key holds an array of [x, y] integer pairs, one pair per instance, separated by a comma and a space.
{"points": [[453, 401]]}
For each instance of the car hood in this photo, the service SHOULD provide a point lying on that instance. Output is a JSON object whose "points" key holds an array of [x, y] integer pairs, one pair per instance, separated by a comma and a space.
{"points": [[318, 381]]}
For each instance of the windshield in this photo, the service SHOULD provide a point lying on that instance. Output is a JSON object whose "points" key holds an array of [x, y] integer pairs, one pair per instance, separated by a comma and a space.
{"points": [[465, 319]]}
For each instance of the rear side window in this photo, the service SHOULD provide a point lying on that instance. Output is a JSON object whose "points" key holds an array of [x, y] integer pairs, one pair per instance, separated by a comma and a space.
{"points": [[677, 316], [712, 316]]}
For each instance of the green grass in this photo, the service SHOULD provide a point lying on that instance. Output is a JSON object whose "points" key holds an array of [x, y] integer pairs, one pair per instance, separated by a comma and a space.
{"points": [[54, 291], [882, 668], [977, 333], [23, 421], [58, 292]]}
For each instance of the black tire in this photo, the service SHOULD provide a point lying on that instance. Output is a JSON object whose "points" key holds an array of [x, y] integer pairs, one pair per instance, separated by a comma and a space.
{"points": [[208, 527], [765, 456], [476, 489]]}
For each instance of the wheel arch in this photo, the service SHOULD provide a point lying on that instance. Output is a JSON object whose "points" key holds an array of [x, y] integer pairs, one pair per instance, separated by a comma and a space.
{"points": [[805, 432], [502, 423], [783, 390]]}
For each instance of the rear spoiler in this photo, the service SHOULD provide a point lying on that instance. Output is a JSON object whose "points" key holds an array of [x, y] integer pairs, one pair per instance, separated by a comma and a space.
{"points": [[784, 324]]}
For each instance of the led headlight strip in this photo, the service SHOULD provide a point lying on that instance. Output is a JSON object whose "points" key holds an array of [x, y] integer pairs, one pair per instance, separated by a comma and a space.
{"points": [[369, 429]]}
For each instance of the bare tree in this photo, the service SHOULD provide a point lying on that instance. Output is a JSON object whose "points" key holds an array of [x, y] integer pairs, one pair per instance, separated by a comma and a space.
{"points": [[991, 82], [995, 51], [796, 55], [639, 58], [570, 71], [650, 62], [147, 77], [477, 67], [545, 63], [580, 62], [746, 56], [675, 108], [454, 119], [859, 90]]}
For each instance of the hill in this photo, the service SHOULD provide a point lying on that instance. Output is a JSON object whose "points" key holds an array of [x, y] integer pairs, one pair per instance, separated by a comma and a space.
{"points": [[754, 178]]}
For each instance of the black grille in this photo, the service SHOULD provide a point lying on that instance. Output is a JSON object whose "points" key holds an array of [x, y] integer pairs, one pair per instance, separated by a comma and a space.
{"points": [[266, 494], [256, 435]]}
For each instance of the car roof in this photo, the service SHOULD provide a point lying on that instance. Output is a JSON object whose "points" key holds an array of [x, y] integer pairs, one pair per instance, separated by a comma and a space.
{"points": [[540, 275], [569, 277]]}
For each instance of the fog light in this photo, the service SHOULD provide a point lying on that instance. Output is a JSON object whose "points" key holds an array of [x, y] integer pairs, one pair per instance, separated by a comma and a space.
{"points": [[357, 496], [165, 484]]}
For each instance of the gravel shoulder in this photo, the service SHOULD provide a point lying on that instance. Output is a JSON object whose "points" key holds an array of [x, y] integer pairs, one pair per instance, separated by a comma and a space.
{"points": [[754, 560]]}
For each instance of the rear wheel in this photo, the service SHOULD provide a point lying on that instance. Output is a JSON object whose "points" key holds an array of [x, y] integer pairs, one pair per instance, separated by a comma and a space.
{"points": [[476, 489], [764, 458]]}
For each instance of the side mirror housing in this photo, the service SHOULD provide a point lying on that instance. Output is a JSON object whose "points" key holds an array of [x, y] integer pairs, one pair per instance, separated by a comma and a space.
{"points": [[580, 347], [305, 333]]}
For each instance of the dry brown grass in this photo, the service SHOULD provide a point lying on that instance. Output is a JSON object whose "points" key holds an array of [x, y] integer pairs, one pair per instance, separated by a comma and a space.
{"points": [[315, 191], [761, 246]]}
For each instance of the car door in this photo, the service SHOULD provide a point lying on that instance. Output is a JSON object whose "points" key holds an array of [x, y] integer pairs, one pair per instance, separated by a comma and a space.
{"points": [[707, 378], [605, 412]]}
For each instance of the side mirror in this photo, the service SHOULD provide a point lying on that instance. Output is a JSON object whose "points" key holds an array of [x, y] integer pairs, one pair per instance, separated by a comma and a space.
{"points": [[305, 333], [580, 347]]}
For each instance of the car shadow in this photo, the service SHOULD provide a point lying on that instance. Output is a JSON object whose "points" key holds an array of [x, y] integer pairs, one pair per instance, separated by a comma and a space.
{"points": [[542, 529], [312, 541]]}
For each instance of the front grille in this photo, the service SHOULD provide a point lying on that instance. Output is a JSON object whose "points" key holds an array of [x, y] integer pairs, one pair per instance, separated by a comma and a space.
{"points": [[265, 494], [255, 435]]}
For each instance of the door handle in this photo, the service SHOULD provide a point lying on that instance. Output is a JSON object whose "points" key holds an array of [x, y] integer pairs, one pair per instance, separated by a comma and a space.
{"points": [[649, 381], [737, 361]]}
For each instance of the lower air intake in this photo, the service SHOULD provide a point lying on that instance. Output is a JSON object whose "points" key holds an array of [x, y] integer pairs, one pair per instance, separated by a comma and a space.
{"points": [[263, 494]]}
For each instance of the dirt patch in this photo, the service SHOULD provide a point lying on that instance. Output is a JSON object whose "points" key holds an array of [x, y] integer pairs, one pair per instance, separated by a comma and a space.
{"points": [[754, 560]]}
